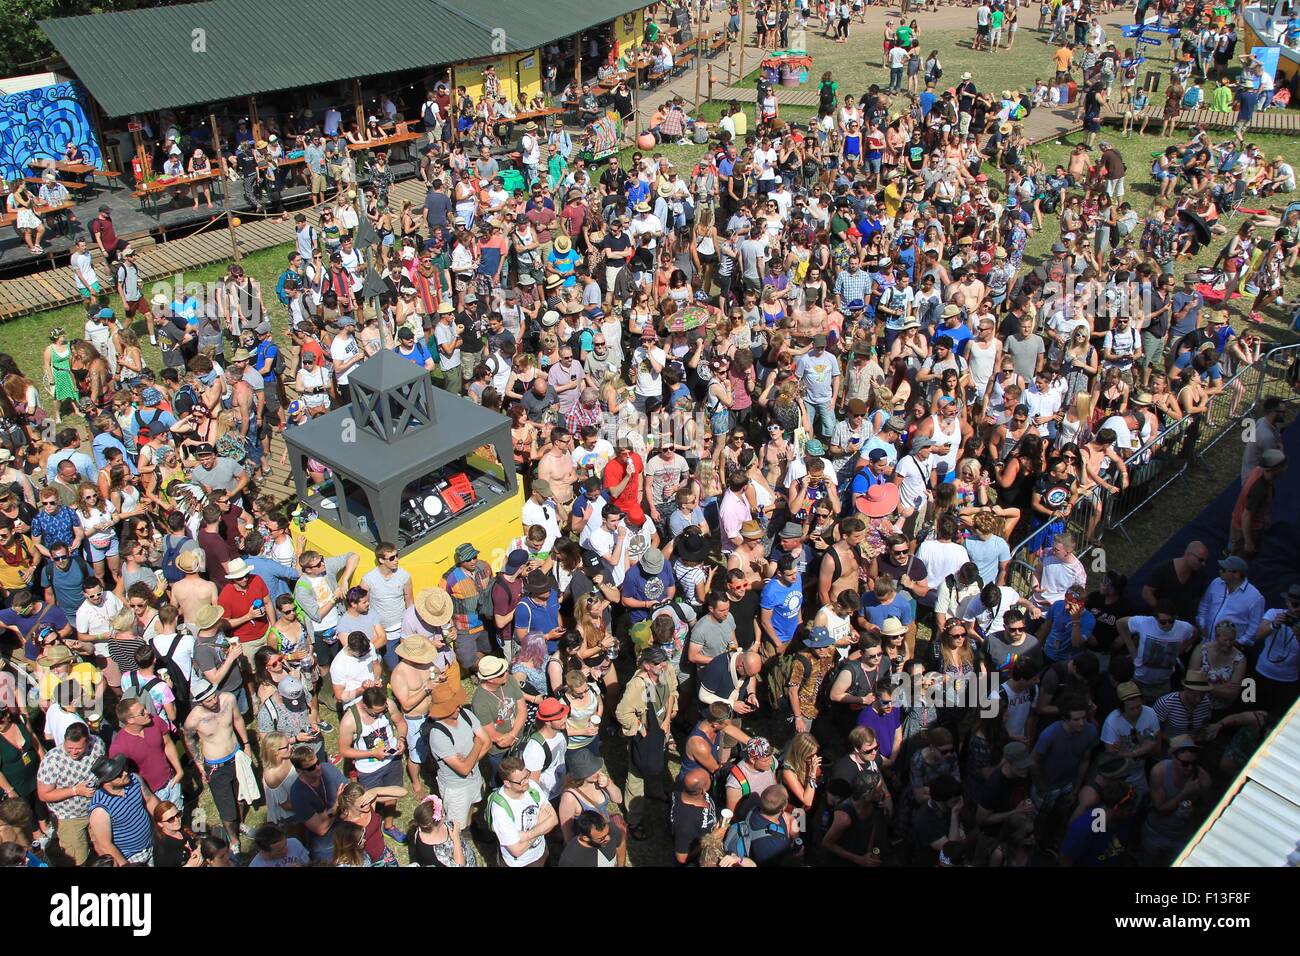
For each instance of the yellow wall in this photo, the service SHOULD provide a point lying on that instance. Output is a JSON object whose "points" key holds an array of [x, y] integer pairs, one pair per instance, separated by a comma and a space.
{"points": [[529, 78], [491, 531], [625, 34], [528, 72]]}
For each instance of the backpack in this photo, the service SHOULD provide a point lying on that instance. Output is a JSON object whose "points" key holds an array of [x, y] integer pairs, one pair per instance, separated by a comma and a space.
{"points": [[741, 837], [185, 399], [170, 554], [177, 679], [424, 747], [140, 422], [749, 798], [133, 689]]}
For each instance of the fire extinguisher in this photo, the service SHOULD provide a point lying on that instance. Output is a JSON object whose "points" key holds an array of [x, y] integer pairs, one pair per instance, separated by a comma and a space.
{"points": [[137, 169]]}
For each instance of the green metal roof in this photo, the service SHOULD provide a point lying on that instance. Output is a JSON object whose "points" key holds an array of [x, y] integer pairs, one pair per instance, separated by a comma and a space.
{"points": [[145, 60]]}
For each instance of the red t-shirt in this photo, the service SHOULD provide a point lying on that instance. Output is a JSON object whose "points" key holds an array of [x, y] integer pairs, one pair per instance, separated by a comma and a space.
{"points": [[629, 501], [146, 753], [237, 603]]}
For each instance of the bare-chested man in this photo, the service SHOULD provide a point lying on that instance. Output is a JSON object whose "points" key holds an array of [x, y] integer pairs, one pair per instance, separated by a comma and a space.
{"points": [[214, 734], [192, 591], [840, 568], [372, 734], [415, 680]]}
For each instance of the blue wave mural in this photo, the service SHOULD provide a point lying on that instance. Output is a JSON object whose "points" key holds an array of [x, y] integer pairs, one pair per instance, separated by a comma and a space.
{"points": [[37, 124]]}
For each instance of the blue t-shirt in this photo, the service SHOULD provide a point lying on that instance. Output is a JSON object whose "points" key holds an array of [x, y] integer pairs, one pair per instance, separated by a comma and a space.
{"points": [[786, 605], [266, 350], [1058, 646], [1085, 846], [960, 336], [531, 616], [875, 612], [66, 584], [864, 480], [926, 101], [564, 264], [768, 841], [640, 586], [988, 556]]}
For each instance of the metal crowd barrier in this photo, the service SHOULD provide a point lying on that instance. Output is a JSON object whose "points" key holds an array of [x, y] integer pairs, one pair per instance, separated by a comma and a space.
{"points": [[1164, 459]]}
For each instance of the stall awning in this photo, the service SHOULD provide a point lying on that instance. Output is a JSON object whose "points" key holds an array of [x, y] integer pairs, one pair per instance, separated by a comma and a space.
{"points": [[170, 57]]}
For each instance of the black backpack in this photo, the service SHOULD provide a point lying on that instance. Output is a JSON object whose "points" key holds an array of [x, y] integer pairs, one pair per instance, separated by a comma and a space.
{"points": [[177, 679]]}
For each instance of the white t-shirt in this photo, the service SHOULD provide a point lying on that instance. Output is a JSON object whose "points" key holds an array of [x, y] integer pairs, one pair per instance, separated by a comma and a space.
{"points": [[57, 722], [552, 778], [649, 383], [941, 559], [916, 480], [351, 672], [596, 458], [511, 816], [599, 539], [340, 352], [544, 515], [1157, 649], [94, 620]]}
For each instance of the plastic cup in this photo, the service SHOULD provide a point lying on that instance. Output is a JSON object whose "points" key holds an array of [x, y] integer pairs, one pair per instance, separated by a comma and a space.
{"points": [[725, 816]]}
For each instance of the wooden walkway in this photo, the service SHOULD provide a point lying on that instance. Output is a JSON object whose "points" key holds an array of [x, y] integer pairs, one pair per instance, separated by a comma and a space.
{"points": [[1281, 122], [805, 95], [159, 261]]}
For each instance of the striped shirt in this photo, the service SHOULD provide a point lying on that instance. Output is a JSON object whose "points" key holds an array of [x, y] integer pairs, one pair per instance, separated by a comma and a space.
{"points": [[128, 819], [1176, 718]]}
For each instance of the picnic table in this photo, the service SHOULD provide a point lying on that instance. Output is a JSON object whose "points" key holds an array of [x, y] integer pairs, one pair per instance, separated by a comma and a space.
{"points": [[148, 192], [394, 139], [10, 218], [72, 169]]}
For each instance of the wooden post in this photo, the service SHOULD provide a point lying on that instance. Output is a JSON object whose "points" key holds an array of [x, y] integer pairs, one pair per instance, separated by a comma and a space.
{"points": [[699, 55], [220, 166], [254, 120], [455, 103], [710, 81], [142, 154], [577, 62], [360, 107], [741, 34]]}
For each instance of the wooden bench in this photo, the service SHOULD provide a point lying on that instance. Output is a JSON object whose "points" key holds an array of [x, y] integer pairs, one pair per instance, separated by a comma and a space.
{"points": [[655, 77], [681, 62], [71, 186], [717, 43]]}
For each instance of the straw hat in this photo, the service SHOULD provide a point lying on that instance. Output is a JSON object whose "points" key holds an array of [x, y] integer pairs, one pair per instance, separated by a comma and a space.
{"points": [[209, 615], [434, 606], [416, 649]]}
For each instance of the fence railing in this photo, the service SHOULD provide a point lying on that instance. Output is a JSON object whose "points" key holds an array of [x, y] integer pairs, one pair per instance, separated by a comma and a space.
{"points": [[1166, 457]]}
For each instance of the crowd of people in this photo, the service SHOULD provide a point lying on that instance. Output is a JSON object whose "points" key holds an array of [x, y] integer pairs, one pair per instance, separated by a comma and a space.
{"points": [[780, 423]]}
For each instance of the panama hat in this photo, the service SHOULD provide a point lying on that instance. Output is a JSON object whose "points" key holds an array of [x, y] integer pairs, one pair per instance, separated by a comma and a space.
{"points": [[490, 667], [189, 560], [209, 615], [434, 606], [238, 568], [416, 649]]}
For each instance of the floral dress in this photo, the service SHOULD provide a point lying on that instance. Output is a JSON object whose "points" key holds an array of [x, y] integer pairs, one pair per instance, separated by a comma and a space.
{"points": [[1219, 675]]}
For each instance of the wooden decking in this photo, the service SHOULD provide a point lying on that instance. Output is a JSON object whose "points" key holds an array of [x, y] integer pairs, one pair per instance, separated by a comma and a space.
{"points": [[157, 261], [805, 95], [1281, 122]]}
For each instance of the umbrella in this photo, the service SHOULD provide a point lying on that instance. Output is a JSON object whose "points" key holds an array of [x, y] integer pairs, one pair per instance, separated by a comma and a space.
{"points": [[1199, 226], [692, 317]]}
